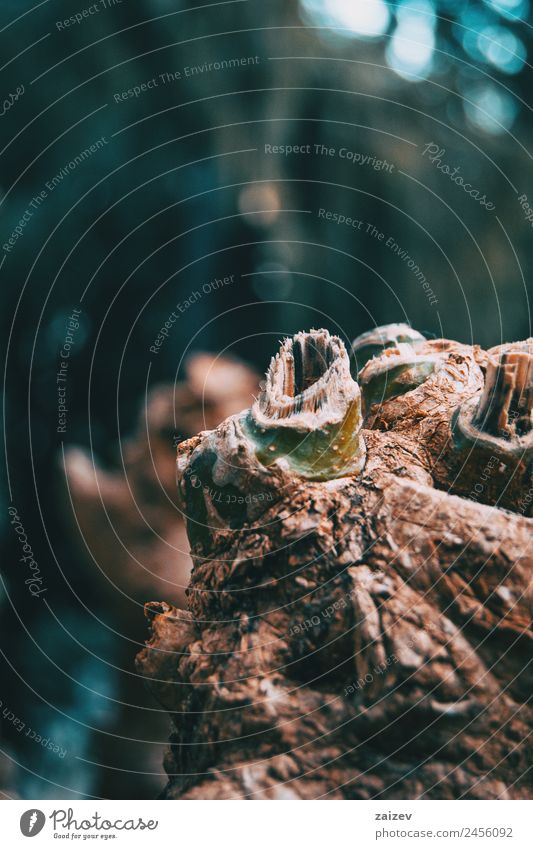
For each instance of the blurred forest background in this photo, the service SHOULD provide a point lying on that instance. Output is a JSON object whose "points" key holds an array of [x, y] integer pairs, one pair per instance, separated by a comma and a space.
{"points": [[181, 193]]}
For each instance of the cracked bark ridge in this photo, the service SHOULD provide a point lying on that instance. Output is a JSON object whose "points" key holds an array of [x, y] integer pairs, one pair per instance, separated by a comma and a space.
{"points": [[359, 636]]}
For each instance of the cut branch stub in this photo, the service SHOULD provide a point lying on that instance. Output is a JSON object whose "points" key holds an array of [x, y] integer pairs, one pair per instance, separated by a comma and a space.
{"points": [[371, 344], [493, 431], [305, 424], [398, 370], [503, 415], [506, 405], [308, 417]]}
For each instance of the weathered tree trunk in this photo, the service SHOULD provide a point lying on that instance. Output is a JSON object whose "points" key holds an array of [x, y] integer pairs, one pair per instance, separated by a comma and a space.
{"points": [[359, 612]]}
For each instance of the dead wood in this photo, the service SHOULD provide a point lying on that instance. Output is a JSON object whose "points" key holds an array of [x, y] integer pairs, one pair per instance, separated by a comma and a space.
{"points": [[353, 631]]}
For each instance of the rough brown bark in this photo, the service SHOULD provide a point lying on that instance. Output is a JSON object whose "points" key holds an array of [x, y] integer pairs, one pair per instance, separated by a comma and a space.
{"points": [[363, 636]]}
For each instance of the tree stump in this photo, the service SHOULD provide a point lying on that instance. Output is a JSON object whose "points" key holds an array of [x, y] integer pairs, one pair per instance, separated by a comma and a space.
{"points": [[359, 611]]}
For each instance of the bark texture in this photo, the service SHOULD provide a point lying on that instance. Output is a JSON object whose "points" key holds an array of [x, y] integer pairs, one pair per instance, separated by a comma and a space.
{"points": [[367, 635]]}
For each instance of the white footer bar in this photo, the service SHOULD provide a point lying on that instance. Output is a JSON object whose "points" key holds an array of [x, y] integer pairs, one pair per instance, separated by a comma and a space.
{"points": [[269, 825]]}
